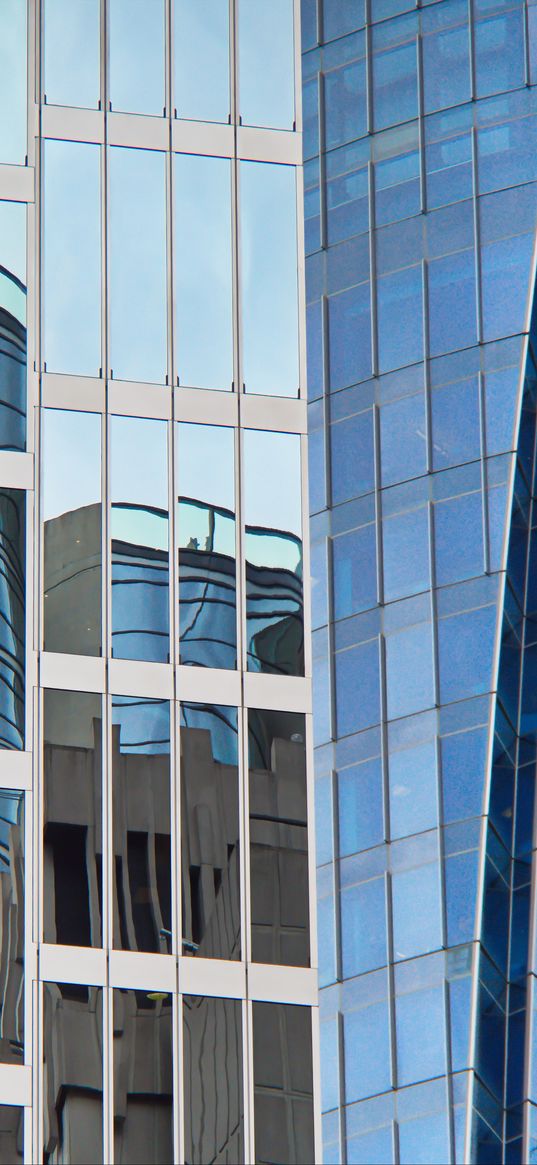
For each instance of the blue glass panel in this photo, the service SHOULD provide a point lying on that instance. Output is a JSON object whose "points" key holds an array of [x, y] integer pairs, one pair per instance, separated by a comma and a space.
{"points": [[460, 997], [402, 439], [310, 118], [500, 406], [342, 16], [463, 773], [361, 813], [397, 175], [315, 349], [329, 1063], [425, 1140], [353, 469], [458, 525], [13, 80], [367, 1051], [376, 1146], [355, 571], [455, 423], [452, 303], [449, 162], [326, 930], [404, 573], [446, 64], [413, 790], [363, 927], [357, 688], [461, 889], [201, 65], [505, 270], [349, 323], [465, 645], [417, 913], [265, 49], [72, 52], [345, 100], [395, 85], [347, 192], [409, 671], [400, 322], [420, 1024], [499, 52], [136, 30]]}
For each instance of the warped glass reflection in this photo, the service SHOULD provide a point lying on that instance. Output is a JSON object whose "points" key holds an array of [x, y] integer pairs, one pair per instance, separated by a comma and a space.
{"points": [[12, 623], [212, 1058], [72, 1074], [143, 1076], [12, 326], [12, 926]]}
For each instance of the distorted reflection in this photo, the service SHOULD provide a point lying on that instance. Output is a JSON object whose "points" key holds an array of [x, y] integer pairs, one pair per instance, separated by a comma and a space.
{"points": [[283, 1083], [12, 326], [71, 59], [72, 841], [12, 624], [210, 855], [139, 536], [143, 1078], [203, 271], [206, 533], [13, 81], [72, 537], [136, 33], [137, 264], [11, 1134], [201, 67], [72, 1074], [212, 1059], [273, 542], [141, 812], [11, 928], [72, 234], [266, 63], [278, 837], [269, 278]]}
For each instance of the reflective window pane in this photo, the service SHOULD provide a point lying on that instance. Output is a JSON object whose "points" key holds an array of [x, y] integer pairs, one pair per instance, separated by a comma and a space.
{"points": [[137, 256], [13, 82], [283, 1083], [203, 271], [13, 617], [273, 546], [136, 33], [12, 879], [212, 1059], [400, 318], [72, 258], [71, 453], [269, 278], [73, 1073], [409, 671], [206, 535], [210, 852], [143, 1076], [278, 838], [13, 326], [201, 66], [142, 830], [139, 539], [266, 63], [11, 1135], [71, 34], [395, 96], [72, 839]]}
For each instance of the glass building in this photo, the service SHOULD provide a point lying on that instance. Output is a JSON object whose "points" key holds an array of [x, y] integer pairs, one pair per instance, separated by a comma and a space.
{"points": [[420, 123], [158, 966]]}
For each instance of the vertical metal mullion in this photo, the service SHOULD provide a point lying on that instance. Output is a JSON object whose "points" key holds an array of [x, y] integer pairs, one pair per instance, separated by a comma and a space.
{"points": [[108, 1072]]}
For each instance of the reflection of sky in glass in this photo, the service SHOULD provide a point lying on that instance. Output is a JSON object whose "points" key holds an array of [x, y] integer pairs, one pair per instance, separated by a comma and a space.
{"points": [[144, 724], [72, 253], [272, 480], [205, 464], [138, 264], [221, 722], [139, 526], [13, 238], [201, 74], [71, 460], [203, 268], [137, 55], [72, 52], [269, 278], [13, 81], [139, 472], [266, 63], [202, 528]]}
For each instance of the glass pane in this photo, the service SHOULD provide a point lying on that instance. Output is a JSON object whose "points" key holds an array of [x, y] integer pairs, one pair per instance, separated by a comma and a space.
{"points": [[139, 539], [72, 839], [203, 270], [13, 616], [278, 838], [138, 265], [136, 36], [283, 1083], [400, 323], [11, 1135], [13, 81], [273, 546], [206, 536], [72, 535], [12, 925], [72, 52], [269, 278], [72, 247], [73, 1073], [212, 1058], [201, 73], [210, 853], [13, 326], [142, 833], [266, 63], [143, 1077]]}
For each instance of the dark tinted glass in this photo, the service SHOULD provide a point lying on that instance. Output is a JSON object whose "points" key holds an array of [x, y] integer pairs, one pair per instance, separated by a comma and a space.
{"points": [[142, 840], [12, 622], [11, 1134], [210, 855], [13, 326], [72, 818], [143, 1077], [12, 929], [212, 1059], [73, 1073], [278, 837], [283, 1083]]}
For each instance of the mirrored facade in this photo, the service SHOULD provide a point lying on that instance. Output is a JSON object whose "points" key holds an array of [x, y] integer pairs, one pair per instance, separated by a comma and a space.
{"points": [[420, 219]]}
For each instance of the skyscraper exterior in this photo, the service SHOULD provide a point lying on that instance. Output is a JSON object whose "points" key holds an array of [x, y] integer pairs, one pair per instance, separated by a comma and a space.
{"points": [[158, 981], [421, 200]]}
